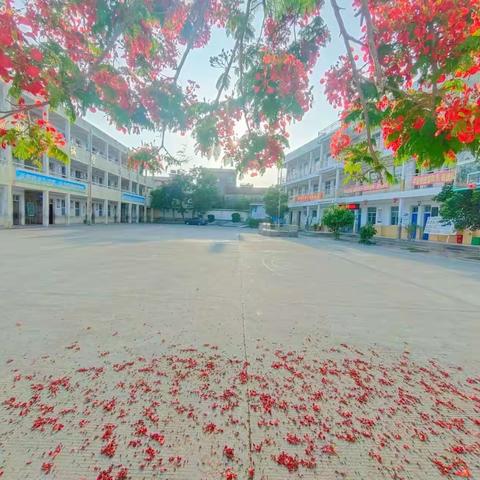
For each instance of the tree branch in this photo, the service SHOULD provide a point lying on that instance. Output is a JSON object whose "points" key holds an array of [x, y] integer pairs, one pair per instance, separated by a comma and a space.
{"points": [[240, 62], [356, 78], [380, 79], [22, 109]]}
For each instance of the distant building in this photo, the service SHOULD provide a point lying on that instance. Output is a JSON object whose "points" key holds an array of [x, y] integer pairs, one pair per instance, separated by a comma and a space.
{"points": [[158, 181], [257, 211], [226, 178], [231, 196]]}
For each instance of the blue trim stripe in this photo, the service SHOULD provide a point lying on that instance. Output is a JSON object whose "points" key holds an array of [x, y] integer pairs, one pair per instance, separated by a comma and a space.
{"points": [[132, 197], [27, 176]]}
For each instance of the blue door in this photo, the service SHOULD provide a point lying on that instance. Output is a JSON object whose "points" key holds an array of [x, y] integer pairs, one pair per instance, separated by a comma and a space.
{"points": [[414, 221], [426, 216]]}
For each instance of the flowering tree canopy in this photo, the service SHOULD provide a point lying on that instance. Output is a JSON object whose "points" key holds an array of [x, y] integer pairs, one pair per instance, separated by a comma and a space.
{"points": [[413, 75], [125, 58]]}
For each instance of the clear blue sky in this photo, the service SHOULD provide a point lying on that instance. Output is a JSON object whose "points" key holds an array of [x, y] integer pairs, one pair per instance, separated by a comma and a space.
{"points": [[198, 68]]}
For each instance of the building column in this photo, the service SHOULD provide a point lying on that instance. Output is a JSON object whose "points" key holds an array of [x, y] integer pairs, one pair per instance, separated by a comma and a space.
{"points": [[8, 206], [151, 215], [45, 164], [337, 182], [129, 213], [137, 216], [119, 212], [419, 235], [400, 217], [22, 208], [105, 211], [45, 207], [67, 208]]}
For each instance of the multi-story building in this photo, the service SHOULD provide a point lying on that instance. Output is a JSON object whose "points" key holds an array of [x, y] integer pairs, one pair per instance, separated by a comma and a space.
{"points": [[315, 180], [96, 183]]}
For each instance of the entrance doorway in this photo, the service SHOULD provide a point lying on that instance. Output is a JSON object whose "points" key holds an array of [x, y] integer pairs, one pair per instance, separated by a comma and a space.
{"points": [[357, 220], [124, 213], [414, 221], [33, 208], [51, 213], [16, 209], [426, 215]]}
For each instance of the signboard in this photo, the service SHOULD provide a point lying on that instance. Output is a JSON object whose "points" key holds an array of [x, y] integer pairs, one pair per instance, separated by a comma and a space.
{"points": [[309, 197], [433, 178], [132, 197], [366, 187], [36, 178], [437, 226]]}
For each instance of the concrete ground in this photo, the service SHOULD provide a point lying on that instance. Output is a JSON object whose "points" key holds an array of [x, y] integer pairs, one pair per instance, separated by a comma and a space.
{"points": [[191, 352]]}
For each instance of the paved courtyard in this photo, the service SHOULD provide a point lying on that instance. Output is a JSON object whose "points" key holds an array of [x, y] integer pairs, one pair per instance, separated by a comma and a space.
{"points": [[177, 352]]}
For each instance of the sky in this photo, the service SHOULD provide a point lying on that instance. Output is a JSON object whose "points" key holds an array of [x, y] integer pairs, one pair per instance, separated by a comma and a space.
{"points": [[197, 68]]}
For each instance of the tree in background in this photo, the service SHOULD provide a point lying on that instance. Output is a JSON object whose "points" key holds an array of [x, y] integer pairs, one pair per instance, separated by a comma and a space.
{"points": [[178, 191], [242, 203], [410, 74], [160, 199], [276, 202], [195, 190], [204, 192], [462, 208], [337, 218]]}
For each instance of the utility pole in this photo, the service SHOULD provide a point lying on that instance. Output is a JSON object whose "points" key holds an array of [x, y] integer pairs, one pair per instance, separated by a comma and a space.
{"points": [[279, 179], [90, 168]]}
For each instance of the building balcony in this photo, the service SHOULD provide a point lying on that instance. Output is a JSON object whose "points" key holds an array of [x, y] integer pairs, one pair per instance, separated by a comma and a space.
{"points": [[301, 177]]}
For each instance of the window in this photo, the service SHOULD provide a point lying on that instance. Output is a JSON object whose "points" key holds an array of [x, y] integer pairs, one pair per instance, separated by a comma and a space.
{"points": [[100, 209], [394, 215], [434, 212], [64, 171], [329, 186], [77, 209], [64, 210], [372, 215]]}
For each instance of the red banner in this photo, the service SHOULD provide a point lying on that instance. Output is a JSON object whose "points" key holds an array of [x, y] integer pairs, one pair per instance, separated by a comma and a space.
{"points": [[309, 197]]}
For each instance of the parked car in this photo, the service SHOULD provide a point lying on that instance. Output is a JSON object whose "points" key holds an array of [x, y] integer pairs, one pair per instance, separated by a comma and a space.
{"points": [[195, 221]]}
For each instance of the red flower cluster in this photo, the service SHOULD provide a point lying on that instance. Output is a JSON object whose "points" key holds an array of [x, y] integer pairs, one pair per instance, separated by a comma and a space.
{"points": [[339, 141]]}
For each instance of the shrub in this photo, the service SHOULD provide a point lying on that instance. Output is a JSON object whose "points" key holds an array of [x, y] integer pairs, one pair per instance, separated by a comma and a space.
{"points": [[367, 232], [210, 218], [253, 222], [236, 217], [336, 218]]}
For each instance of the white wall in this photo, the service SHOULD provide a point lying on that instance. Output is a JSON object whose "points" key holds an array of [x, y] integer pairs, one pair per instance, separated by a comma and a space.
{"points": [[226, 214]]}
